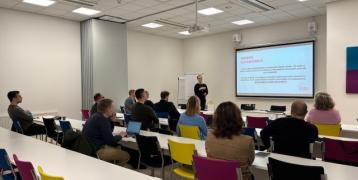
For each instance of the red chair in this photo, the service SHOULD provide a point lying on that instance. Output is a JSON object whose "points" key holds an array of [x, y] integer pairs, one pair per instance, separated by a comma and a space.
{"points": [[26, 169], [256, 122], [214, 169], [85, 114], [338, 151]]}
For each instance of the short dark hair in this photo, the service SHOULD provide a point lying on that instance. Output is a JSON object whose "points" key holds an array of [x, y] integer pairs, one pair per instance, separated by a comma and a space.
{"points": [[12, 94], [164, 94], [97, 96], [139, 93], [227, 120], [103, 105]]}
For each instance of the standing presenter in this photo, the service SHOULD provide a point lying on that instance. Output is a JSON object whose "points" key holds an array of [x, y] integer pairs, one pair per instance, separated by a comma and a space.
{"points": [[201, 90]]}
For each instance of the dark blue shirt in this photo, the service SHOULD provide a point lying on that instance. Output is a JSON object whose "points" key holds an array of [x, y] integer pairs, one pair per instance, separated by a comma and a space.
{"points": [[98, 131]]}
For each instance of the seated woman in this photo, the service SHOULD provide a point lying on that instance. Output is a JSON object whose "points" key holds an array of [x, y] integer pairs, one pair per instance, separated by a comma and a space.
{"points": [[192, 117], [225, 140], [323, 111]]}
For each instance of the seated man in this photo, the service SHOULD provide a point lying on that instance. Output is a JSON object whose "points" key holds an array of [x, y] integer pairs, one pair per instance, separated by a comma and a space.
{"points": [[97, 97], [98, 132], [130, 101], [165, 106], [142, 112], [25, 118], [291, 135]]}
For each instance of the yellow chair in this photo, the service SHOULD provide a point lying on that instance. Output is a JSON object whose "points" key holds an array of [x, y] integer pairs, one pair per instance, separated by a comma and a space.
{"points": [[183, 154], [192, 132], [329, 129], [45, 176]]}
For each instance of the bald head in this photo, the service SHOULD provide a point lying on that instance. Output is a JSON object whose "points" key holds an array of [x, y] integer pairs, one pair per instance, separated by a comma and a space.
{"points": [[299, 109]]}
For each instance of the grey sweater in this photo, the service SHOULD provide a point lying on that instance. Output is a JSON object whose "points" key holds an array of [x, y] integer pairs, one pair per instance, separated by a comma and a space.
{"points": [[17, 113]]}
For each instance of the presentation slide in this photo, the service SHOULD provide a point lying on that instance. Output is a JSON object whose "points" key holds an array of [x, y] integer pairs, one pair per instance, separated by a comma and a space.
{"points": [[276, 71]]}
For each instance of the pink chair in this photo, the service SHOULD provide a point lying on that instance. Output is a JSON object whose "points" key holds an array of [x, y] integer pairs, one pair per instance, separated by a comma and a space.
{"points": [[256, 122], [26, 169], [344, 152], [214, 169], [85, 114]]}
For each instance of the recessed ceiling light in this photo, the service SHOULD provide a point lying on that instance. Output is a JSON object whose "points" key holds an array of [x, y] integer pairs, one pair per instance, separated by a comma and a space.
{"points": [[39, 2], [303, 0], [152, 25], [86, 11], [210, 11], [186, 33], [243, 22]]}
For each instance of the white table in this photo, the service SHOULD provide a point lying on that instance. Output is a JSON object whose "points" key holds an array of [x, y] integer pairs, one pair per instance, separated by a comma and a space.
{"points": [[162, 121], [62, 162]]}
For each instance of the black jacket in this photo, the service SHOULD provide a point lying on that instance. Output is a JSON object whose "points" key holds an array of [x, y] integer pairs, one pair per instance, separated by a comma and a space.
{"points": [[75, 141], [144, 114], [291, 136], [165, 106]]}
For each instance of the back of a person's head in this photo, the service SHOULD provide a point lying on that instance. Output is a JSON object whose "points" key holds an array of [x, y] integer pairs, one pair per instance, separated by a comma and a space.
{"points": [[227, 120], [103, 105], [164, 94], [139, 93], [193, 106], [97, 96], [12, 94], [299, 109], [323, 101], [130, 92]]}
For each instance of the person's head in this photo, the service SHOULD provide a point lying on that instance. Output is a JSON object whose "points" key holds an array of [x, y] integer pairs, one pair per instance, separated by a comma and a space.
{"points": [[106, 107], [146, 93], [299, 109], [14, 97], [323, 101], [193, 106], [164, 95], [97, 97], [227, 120], [140, 95], [199, 78], [131, 93]]}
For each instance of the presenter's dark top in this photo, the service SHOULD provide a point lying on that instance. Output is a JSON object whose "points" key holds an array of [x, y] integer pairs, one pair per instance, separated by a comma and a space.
{"points": [[169, 107], [200, 90], [144, 114], [291, 136], [98, 130]]}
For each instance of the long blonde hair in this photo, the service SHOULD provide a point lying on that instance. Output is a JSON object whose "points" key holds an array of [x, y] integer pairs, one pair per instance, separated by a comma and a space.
{"points": [[193, 106]]}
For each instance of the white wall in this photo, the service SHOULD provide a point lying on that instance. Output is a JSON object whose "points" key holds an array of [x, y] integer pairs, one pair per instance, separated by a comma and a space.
{"points": [[40, 56], [342, 29], [110, 76], [214, 55], [154, 63]]}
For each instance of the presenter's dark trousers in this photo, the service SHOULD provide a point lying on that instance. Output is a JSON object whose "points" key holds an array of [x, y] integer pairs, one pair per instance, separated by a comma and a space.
{"points": [[202, 103]]}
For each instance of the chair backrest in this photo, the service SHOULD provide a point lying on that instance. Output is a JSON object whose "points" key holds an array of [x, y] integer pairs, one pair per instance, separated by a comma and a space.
{"points": [[250, 132], [344, 152], [181, 152], [65, 126], [5, 164], [162, 114], [122, 109], [256, 122], [45, 176], [50, 126], [189, 131], [26, 169], [16, 126], [213, 169], [329, 129], [148, 146], [127, 118], [279, 170], [173, 123], [85, 114], [293, 147]]}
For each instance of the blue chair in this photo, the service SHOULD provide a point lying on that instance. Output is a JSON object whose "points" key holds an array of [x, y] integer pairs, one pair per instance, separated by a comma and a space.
{"points": [[65, 126], [162, 114], [249, 132], [7, 171], [16, 127]]}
